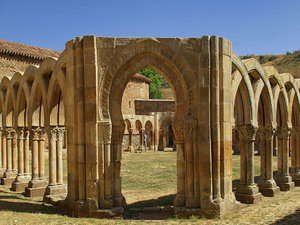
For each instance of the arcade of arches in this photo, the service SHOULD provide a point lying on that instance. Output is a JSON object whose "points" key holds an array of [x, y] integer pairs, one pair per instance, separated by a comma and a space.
{"points": [[80, 94]]}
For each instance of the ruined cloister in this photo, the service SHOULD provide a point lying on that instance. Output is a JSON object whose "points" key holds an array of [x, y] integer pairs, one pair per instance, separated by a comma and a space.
{"points": [[77, 98]]}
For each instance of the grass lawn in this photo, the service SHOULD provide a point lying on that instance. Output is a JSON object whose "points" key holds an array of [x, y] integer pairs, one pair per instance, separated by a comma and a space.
{"points": [[149, 179]]}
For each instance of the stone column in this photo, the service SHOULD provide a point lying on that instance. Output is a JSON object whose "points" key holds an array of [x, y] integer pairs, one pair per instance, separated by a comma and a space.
{"points": [[267, 185], [118, 132], [2, 152], [26, 155], [142, 132], [22, 179], [10, 173], [275, 145], [247, 191], [296, 156], [130, 147], [179, 141], [191, 167], [283, 178], [56, 190], [108, 199], [164, 138], [38, 183]]}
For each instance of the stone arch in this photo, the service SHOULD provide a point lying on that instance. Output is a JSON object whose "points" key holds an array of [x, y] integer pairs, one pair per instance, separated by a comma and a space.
{"points": [[39, 90], [8, 106], [24, 92], [262, 89], [279, 96], [247, 90], [148, 53]]}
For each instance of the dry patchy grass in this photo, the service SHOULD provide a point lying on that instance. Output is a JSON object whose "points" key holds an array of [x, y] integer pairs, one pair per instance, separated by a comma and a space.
{"points": [[146, 177]]}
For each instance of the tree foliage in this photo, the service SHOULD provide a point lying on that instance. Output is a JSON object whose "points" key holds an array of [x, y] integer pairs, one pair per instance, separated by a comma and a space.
{"points": [[155, 91]]}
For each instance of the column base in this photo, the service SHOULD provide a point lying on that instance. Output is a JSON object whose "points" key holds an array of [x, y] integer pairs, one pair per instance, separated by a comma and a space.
{"points": [[296, 179], [56, 193], [36, 189], [21, 183], [248, 194], [2, 171], [285, 183], [179, 201], [8, 178], [268, 188]]}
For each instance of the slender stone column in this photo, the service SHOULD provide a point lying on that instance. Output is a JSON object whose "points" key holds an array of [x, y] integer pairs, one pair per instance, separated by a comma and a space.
{"points": [[118, 131], [22, 179], [179, 141], [26, 154], [247, 191], [267, 185], [296, 156], [142, 132], [14, 153], [189, 154], [108, 200], [59, 163], [275, 146], [52, 136], [56, 190], [38, 183], [283, 178], [11, 172], [2, 152], [130, 148]]}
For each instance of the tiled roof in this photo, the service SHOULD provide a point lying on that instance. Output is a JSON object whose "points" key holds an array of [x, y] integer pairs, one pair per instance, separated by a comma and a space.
{"points": [[140, 77], [10, 47]]}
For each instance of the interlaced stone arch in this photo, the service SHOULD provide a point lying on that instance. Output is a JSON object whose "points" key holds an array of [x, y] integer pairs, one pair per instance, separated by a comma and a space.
{"points": [[207, 78]]}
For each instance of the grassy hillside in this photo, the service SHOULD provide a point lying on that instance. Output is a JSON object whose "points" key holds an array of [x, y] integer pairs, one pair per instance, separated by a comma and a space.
{"points": [[286, 63]]}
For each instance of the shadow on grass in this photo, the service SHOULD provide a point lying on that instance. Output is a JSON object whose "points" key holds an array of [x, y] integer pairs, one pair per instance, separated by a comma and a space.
{"points": [[166, 200], [292, 219], [7, 204]]}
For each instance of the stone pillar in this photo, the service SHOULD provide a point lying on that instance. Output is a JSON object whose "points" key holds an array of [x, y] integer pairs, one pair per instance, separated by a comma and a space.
{"points": [[283, 178], [22, 179], [26, 155], [108, 199], [142, 146], [296, 156], [247, 191], [56, 190], [38, 183], [267, 185], [118, 132], [10, 173], [2, 152], [130, 147], [164, 138], [178, 129], [192, 185], [275, 145]]}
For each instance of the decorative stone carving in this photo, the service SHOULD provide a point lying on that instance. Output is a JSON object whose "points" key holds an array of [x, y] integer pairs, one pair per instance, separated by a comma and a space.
{"points": [[179, 131]]}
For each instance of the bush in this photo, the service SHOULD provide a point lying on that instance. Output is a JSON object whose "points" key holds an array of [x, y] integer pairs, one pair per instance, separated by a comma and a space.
{"points": [[272, 57], [155, 86], [288, 53], [262, 59]]}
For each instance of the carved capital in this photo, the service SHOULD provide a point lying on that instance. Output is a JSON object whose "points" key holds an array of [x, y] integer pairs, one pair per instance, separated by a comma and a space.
{"points": [[36, 133], [269, 132], [11, 133], [118, 132], [52, 133], [283, 132], [105, 131], [189, 132], [247, 132], [60, 133], [178, 130], [21, 132]]}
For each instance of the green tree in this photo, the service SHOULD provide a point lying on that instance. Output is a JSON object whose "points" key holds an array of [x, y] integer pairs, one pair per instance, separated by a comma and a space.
{"points": [[155, 85]]}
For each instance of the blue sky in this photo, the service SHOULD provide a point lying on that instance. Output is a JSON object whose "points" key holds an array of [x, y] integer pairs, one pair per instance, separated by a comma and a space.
{"points": [[253, 26]]}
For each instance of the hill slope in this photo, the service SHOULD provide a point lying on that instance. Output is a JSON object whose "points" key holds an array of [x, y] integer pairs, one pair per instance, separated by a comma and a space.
{"points": [[287, 63]]}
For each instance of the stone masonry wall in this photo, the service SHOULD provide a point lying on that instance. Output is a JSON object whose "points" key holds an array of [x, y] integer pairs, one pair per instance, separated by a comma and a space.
{"points": [[145, 107]]}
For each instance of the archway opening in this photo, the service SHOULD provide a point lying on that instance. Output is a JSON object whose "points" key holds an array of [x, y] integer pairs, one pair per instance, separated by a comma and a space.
{"points": [[149, 177]]}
